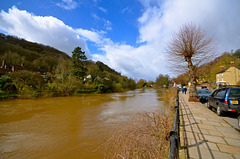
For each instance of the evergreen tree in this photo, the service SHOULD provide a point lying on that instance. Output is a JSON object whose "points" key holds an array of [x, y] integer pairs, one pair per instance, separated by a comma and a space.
{"points": [[78, 56]]}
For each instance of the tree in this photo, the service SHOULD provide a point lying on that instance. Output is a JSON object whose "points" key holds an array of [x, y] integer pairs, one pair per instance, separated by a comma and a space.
{"points": [[149, 83], [141, 83], [63, 69], [162, 81], [77, 57], [190, 47], [181, 79]]}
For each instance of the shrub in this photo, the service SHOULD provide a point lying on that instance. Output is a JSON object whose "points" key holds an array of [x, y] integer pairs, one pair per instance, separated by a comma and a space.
{"points": [[7, 85], [101, 88], [117, 87], [147, 136], [69, 87], [28, 92], [90, 86], [32, 79]]}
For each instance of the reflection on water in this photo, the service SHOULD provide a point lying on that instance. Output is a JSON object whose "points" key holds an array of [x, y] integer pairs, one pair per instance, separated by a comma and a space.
{"points": [[67, 127]]}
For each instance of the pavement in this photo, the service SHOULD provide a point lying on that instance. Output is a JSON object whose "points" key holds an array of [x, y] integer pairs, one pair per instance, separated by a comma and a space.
{"points": [[205, 135]]}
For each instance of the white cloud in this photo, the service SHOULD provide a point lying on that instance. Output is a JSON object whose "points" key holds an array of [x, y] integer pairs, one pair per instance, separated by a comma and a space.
{"points": [[67, 4], [89, 35], [160, 20], [107, 24], [126, 10], [46, 30], [102, 9], [133, 62], [157, 24]]}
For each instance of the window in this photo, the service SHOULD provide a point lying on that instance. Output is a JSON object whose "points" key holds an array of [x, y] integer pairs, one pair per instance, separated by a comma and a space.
{"points": [[234, 93], [214, 93], [221, 93], [204, 92]]}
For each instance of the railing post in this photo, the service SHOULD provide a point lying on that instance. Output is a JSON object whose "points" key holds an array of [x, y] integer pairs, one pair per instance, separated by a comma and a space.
{"points": [[175, 132]]}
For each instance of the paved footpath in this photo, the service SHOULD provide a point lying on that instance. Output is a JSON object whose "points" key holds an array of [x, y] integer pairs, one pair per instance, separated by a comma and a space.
{"points": [[204, 134]]}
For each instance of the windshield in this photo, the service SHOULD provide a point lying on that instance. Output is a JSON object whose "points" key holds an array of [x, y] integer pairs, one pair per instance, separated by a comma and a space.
{"points": [[201, 91], [234, 93]]}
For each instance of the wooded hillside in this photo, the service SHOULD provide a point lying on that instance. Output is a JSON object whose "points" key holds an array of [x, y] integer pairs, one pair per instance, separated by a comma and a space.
{"points": [[17, 51], [60, 74]]}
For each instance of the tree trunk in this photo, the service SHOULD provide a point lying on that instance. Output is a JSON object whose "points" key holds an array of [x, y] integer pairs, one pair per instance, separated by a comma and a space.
{"points": [[192, 74]]}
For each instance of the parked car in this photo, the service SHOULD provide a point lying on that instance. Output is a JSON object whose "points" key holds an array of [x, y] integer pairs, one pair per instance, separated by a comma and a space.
{"points": [[225, 99], [203, 95]]}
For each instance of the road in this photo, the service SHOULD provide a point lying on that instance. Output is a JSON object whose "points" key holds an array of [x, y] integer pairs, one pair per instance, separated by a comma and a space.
{"points": [[230, 118]]}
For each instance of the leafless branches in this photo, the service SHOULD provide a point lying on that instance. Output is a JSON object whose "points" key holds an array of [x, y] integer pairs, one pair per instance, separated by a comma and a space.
{"points": [[191, 42]]}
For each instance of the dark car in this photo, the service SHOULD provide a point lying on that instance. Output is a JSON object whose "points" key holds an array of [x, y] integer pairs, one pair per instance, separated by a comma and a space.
{"points": [[225, 99], [203, 95]]}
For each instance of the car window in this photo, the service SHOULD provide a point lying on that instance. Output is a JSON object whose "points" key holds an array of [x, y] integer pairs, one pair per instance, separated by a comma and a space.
{"points": [[221, 93], [234, 93], [208, 92], [215, 92], [204, 92], [200, 91]]}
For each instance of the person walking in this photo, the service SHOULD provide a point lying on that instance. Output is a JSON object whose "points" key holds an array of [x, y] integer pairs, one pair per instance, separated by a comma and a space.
{"points": [[185, 90]]}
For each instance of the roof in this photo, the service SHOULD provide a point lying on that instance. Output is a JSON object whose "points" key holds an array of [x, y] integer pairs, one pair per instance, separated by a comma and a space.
{"points": [[224, 70]]}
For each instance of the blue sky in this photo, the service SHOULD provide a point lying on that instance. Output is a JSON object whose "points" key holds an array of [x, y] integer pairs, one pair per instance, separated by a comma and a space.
{"points": [[130, 36], [107, 16]]}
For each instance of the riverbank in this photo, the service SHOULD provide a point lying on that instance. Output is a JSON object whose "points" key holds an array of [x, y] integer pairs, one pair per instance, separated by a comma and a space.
{"points": [[147, 135]]}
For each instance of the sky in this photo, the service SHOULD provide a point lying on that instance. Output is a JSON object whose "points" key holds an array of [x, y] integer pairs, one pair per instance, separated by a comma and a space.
{"points": [[130, 36]]}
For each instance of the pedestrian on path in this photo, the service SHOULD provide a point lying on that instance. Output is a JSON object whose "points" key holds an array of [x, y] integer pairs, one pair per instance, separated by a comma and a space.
{"points": [[185, 90]]}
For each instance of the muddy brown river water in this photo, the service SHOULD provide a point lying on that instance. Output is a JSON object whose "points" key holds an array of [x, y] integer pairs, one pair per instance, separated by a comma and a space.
{"points": [[68, 127]]}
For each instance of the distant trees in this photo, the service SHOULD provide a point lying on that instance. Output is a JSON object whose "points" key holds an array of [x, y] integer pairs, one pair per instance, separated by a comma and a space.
{"points": [[149, 83], [141, 83], [188, 49], [181, 79], [162, 81]]}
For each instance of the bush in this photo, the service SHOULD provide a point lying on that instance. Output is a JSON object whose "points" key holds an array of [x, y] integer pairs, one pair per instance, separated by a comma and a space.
{"points": [[7, 85], [69, 87], [32, 79], [28, 84], [147, 136], [28, 92], [117, 87], [101, 88], [90, 86]]}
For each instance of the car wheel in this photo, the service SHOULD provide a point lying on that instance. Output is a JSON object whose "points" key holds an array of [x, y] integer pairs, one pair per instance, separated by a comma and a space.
{"points": [[209, 106], [219, 111], [239, 121]]}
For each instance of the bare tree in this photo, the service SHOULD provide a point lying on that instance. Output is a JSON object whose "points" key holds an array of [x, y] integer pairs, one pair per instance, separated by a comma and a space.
{"points": [[188, 49]]}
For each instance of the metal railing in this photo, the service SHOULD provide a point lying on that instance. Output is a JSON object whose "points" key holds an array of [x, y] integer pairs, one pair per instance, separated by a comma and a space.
{"points": [[175, 133]]}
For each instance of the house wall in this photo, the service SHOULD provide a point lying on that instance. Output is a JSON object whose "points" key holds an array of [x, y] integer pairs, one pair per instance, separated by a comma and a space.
{"points": [[230, 76]]}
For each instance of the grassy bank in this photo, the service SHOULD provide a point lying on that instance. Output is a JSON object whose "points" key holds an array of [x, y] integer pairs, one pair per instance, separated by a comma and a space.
{"points": [[147, 135]]}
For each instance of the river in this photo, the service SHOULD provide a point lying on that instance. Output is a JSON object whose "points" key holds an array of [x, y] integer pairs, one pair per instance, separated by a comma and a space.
{"points": [[68, 127]]}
